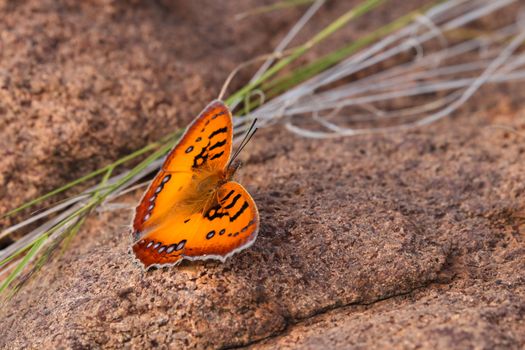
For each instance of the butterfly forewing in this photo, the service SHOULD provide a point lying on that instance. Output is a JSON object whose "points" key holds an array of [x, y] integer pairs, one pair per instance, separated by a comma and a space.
{"points": [[206, 143]]}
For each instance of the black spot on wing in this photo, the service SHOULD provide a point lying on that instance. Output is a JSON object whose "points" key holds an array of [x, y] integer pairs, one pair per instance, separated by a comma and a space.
{"points": [[181, 245], [210, 234]]}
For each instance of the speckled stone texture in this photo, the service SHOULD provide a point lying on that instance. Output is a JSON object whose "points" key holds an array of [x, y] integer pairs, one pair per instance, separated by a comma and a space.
{"points": [[405, 240]]}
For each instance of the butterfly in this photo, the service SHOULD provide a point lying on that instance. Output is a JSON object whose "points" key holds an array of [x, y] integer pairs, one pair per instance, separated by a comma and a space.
{"points": [[192, 209]]}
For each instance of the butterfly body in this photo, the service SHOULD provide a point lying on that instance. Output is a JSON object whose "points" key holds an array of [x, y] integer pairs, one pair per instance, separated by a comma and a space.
{"points": [[193, 210]]}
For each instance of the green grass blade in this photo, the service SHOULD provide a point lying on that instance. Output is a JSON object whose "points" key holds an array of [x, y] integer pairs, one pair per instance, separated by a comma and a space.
{"points": [[276, 86], [354, 13], [14, 255], [273, 7], [72, 233], [82, 179], [35, 247]]}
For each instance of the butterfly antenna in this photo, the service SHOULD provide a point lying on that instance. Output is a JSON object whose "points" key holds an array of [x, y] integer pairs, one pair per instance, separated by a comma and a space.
{"points": [[247, 137], [241, 147]]}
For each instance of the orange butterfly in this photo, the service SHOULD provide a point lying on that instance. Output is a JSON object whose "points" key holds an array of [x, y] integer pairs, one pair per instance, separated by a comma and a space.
{"points": [[192, 209]]}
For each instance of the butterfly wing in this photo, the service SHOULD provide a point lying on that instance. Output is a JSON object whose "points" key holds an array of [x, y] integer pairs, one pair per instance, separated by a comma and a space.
{"points": [[206, 144], [225, 227]]}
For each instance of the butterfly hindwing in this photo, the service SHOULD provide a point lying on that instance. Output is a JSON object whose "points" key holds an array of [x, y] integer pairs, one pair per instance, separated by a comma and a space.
{"points": [[227, 226]]}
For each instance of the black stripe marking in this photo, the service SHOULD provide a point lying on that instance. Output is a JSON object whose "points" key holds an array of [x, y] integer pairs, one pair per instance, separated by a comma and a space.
{"points": [[218, 155], [218, 131], [214, 213], [247, 226], [202, 157], [217, 144], [235, 199], [225, 198], [237, 214], [217, 115]]}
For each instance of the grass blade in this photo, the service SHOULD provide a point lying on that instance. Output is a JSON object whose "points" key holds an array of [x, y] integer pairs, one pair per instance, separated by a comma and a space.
{"points": [[35, 247], [301, 50]]}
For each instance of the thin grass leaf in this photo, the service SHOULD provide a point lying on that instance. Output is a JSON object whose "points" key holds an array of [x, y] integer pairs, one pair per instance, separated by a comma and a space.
{"points": [[270, 8], [276, 86], [14, 255], [354, 13], [72, 233], [287, 39], [82, 179], [35, 247]]}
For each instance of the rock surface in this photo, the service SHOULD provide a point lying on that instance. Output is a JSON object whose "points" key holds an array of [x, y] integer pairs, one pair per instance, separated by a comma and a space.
{"points": [[405, 240]]}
